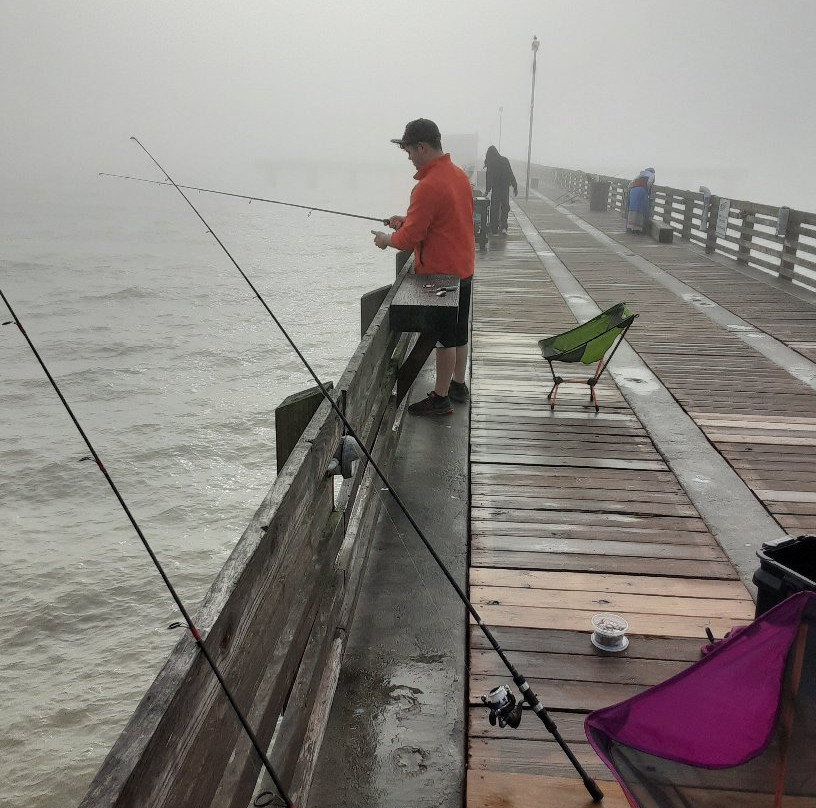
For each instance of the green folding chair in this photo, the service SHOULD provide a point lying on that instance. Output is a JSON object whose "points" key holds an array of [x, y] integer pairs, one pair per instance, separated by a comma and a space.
{"points": [[587, 343]]}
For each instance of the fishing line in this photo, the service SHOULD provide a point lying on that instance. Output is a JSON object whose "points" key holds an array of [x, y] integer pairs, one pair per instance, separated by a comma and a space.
{"points": [[528, 694], [154, 558], [310, 208]]}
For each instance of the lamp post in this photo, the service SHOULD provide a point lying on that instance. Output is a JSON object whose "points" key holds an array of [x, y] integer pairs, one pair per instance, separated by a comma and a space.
{"points": [[534, 46], [501, 109]]}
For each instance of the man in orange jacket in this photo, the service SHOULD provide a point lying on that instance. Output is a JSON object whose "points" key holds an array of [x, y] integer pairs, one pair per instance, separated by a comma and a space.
{"points": [[439, 229]]}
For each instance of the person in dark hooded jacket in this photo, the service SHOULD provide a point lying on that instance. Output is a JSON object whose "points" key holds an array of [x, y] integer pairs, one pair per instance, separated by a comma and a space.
{"points": [[499, 179]]}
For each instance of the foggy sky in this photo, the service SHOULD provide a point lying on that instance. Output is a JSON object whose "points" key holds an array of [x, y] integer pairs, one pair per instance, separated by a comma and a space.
{"points": [[714, 92]]}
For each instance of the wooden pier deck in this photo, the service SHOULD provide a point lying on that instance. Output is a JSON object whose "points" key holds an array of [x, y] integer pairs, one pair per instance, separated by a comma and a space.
{"points": [[574, 513]]}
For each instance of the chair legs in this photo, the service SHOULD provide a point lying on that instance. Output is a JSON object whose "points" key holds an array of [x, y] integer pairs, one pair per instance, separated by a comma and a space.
{"points": [[558, 380], [592, 396], [553, 394]]}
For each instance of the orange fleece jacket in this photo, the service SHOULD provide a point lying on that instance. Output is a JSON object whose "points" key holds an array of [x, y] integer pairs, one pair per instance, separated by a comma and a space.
{"points": [[439, 223]]}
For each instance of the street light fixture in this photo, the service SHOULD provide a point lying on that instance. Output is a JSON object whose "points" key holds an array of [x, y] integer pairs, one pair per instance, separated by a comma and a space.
{"points": [[534, 46]]}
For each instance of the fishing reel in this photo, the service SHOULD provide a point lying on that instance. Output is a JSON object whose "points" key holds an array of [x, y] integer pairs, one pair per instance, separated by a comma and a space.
{"points": [[504, 709]]}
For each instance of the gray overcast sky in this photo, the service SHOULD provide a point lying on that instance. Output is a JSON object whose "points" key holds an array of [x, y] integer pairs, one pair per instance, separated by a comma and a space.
{"points": [[707, 91]]}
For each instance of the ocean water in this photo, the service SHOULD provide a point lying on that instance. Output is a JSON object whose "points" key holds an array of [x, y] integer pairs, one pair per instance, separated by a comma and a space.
{"points": [[174, 369]]}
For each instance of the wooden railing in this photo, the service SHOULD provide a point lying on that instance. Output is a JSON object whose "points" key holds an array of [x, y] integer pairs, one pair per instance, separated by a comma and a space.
{"points": [[275, 619], [781, 241]]}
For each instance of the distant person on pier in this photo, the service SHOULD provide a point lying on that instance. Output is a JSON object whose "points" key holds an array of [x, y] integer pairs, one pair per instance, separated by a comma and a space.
{"points": [[500, 178], [438, 227], [637, 205]]}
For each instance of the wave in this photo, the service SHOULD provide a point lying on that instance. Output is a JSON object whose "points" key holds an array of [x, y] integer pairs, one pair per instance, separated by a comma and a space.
{"points": [[129, 293]]}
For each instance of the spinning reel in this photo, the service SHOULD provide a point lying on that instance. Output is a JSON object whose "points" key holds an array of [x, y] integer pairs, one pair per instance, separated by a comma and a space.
{"points": [[504, 709]]}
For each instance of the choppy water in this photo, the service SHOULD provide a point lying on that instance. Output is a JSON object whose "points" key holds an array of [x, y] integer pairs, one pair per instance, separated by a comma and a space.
{"points": [[174, 370]]}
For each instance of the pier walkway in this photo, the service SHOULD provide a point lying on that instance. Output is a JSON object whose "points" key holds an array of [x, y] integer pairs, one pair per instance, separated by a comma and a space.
{"points": [[654, 508]]}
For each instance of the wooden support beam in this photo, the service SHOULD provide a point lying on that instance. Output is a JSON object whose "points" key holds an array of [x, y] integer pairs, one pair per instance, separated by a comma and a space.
{"points": [[790, 246], [413, 364], [688, 213], [746, 236]]}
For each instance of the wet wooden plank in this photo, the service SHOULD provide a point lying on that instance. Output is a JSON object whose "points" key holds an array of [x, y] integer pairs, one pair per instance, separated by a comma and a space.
{"points": [[519, 535], [583, 504], [655, 550], [616, 479], [623, 603], [596, 494], [554, 517], [653, 625], [597, 667], [498, 789], [488, 455], [570, 725], [559, 641], [524, 757], [621, 584], [681, 568]]}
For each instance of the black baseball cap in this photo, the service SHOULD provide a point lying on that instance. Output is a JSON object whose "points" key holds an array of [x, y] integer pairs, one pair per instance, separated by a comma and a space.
{"points": [[419, 131]]}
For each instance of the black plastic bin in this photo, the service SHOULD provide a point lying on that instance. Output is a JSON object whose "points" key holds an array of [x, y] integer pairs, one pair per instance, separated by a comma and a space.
{"points": [[786, 566]]}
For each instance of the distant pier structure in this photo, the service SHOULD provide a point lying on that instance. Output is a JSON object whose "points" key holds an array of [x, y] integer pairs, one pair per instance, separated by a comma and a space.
{"points": [[779, 240]]}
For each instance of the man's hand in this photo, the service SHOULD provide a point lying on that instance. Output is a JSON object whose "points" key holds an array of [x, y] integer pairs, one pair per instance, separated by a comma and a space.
{"points": [[395, 222], [515, 191], [382, 240]]}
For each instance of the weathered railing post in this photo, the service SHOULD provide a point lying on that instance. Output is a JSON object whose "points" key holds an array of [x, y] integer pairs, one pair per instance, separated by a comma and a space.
{"points": [[789, 246], [688, 213], [668, 202], [370, 304], [401, 257], [745, 238], [292, 416], [711, 229]]}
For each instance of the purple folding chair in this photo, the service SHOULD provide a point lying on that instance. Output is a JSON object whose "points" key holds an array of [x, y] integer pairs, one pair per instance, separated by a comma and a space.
{"points": [[735, 730]]}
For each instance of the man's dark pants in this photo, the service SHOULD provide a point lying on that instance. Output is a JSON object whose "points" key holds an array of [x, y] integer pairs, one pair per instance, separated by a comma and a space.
{"points": [[499, 209]]}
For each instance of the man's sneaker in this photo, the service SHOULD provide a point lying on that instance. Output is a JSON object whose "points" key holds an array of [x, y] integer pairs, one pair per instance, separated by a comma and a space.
{"points": [[458, 392], [432, 404]]}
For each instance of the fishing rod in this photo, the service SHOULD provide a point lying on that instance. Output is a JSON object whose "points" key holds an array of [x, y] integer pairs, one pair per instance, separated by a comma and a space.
{"points": [[502, 703], [154, 558], [250, 198]]}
